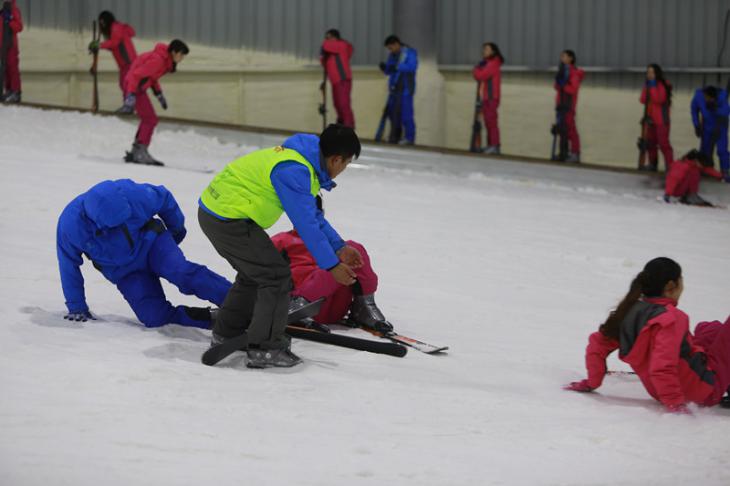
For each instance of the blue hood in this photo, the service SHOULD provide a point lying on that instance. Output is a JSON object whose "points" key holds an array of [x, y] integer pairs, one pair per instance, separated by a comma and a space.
{"points": [[308, 146], [106, 205]]}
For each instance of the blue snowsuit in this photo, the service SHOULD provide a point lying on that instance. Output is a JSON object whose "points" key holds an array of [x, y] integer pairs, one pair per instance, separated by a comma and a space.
{"points": [[714, 124], [113, 224], [401, 71]]}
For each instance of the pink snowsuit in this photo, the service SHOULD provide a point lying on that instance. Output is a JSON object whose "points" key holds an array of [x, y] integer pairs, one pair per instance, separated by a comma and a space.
{"points": [[12, 69], [312, 282], [336, 54], [489, 75], [658, 113], [144, 73], [120, 43]]}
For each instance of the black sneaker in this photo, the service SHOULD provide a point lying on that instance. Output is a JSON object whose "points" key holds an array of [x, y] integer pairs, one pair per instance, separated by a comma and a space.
{"points": [[272, 358]]}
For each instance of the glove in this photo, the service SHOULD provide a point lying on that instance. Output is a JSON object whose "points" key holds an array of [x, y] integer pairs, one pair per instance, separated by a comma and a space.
{"points": [[179, 235], [562, 77], [128, 107], [698, 131], [680, 409], [7, 13], [94, 46], [79, 316], [482, 63], [382, 66], [578, 386], [161, 99]]}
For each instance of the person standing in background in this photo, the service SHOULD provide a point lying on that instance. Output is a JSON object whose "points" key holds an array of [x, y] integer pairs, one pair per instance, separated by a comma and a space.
{"points": [[10, 19], [118, 37], [567, 84], [489, 74], [657, 95], [145, 72], [401, 68], [335, 55], [710, 112]]}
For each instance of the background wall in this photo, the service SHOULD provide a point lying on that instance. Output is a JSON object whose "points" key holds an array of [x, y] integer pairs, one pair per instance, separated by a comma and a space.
{"points": [[254, 62]]}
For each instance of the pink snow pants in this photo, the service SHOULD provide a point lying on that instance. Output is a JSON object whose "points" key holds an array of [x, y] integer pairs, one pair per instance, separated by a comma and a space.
{"points": [[12, 70], [341, 97], [715, 338], [147, 118], [658, 135], [321, 283], [489, 111], [572, 130]]}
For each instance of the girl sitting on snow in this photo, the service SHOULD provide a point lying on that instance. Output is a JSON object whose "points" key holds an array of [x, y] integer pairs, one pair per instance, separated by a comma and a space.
{"points": [[683, 179], [652, 336]]}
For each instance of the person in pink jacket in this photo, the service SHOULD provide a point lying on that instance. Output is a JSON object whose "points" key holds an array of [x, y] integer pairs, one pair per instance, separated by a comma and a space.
{"points": [[335, 57], [489, 74], [145, 72], [10, 16], [567, 85], [118, 37], [682, 183], [657, 93], [652, 335]]}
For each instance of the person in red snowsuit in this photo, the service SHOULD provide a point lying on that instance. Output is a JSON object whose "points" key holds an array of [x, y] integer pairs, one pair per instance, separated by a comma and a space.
{"points": [[335, 56], [10, 14], [657, 93], [489, 74], [567, 85], [683, 179], [145, 72], [652, 336], [118, 37], [312, 283]]}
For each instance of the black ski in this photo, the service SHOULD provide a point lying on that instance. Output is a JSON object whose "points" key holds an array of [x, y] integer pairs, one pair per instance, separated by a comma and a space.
{"points": [[476, 129], [216, 353], [6, 40], [407, 341], [378, 347]]}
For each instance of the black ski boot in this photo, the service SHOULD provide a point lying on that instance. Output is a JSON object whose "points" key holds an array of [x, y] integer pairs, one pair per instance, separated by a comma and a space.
{"points": [[296, 303], [365, 313], [140, 155], [11, 97], [272, 358]]}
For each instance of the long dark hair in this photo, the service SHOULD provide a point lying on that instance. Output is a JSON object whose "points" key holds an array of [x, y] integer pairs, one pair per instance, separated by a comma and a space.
{"points": [[571, 54], [659, 74], [495, 50], [649, 282], [106, 19]]}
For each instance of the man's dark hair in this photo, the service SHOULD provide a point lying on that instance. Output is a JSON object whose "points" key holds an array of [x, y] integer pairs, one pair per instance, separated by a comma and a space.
{"points": [[700, 157], [338, 139], [710, 91], [571, 54], [334, 33], [392, 39], [178, 46], [106, 19]]}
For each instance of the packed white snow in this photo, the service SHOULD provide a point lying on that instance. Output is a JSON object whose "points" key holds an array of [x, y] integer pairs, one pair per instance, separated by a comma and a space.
{"points": [[512, 275]]}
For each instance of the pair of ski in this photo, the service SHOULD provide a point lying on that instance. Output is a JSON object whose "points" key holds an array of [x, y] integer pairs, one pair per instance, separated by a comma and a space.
{"points": [[397, 346]]}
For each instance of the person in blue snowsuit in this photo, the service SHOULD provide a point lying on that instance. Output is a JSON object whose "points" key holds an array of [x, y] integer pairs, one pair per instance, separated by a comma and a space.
{"points": [[710, 111], [401, 68], [114, 225]]}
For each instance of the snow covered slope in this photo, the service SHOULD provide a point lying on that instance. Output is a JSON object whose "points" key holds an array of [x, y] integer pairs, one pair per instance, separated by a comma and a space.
{"points": [[512, 274]]}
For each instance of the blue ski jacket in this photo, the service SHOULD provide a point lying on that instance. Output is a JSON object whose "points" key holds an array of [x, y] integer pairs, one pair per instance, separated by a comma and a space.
{"points": [[292, 183], [113, 225], [710, 114], [401, 71]]}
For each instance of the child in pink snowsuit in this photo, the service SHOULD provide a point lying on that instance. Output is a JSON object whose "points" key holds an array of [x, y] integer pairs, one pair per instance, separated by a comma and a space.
{"points": [[10, 13], [312, 282]]}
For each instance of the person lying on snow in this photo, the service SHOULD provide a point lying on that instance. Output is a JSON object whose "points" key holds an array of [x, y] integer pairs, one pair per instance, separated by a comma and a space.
{"points": [[114, 225], [356, 300], [652, 336], [682, 183]]}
